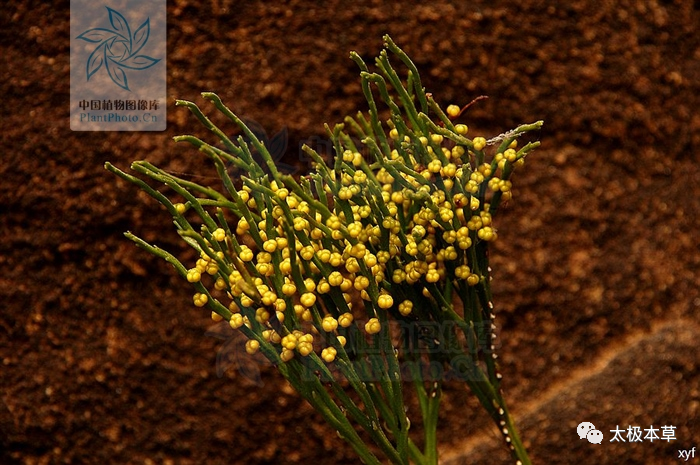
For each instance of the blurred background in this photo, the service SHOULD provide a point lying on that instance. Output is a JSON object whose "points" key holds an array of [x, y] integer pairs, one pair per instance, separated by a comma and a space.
{"points": [[104, 359]]}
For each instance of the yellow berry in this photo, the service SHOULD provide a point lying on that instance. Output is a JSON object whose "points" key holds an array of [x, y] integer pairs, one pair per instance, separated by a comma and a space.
{"points": [[270, 245], [274, 337], [406, 307], [252, 346], [370, 259], [453, 111], [219, 235], [309, 285], [329, 323], [385, 301], [357, 159], [461, 129], [352, 265], [305, 348], [287, 355], [246, 254], [308, 299], [285, 266], [289, 289], [268, 297], [345, 320], [328, 354], [487, 233], [307, 252], [361, 283], [358, 250], [194, 275], [323, 287], [373, 326], [462, 272], [220, 284], [435, 166], [449, 170], [289, 342], [474, 203], [282, 193], [432, 276], [346, 285], [262, 315], [200, 300], [300, 224], [479, 143], [236, 320]]}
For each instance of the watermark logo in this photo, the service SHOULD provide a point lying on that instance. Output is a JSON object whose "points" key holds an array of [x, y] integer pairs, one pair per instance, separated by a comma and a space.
{"points": [[118, 65], [449, 361], [636, 434], [587, 430], [633, 434], [118, 48], [686, 454]]}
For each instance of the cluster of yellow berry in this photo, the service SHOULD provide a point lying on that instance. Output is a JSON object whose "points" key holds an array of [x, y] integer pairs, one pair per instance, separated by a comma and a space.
{"points": [[373, 231], [395, 230]]}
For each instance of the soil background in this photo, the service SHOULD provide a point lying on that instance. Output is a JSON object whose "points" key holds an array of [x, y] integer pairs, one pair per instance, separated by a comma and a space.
{"points": [[105, 360]]}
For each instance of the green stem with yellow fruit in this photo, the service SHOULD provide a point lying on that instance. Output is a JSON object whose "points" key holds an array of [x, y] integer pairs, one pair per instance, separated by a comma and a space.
{"points": [[403, 231]]}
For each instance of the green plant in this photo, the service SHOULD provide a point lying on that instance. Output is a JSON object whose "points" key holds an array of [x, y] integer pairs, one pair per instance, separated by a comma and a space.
{"points": [[398, 238]]}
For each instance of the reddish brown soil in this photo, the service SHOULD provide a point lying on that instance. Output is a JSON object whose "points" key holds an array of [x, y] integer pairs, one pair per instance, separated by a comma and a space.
{"points": [[105, 360]]}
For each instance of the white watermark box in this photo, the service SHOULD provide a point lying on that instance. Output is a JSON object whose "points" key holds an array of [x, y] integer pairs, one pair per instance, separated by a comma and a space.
{"points": [[118, 65]]}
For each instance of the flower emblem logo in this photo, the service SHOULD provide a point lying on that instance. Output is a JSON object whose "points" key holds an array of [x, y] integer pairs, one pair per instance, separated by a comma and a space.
{"points": [[118, 49]]}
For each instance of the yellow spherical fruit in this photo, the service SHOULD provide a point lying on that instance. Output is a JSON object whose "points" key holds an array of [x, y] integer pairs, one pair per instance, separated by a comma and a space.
{"points": [[305, 348], [373, 326], [246, 254], [287, 355], [289, 342], [236, 320], [406, 307], [270, 245], [308, 299], [194, 275], [385, 301], [252, 346], [345, 320], [219, 235], [328, 354], [329, 323], [200, 300], [453, 111]]}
